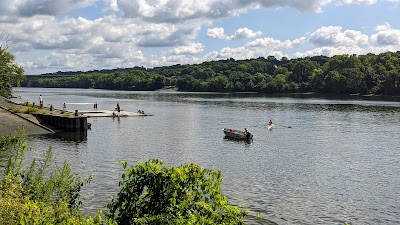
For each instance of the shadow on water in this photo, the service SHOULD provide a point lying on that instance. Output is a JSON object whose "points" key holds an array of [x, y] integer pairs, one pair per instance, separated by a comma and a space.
{"points": [[77, 137], [246, 141]]}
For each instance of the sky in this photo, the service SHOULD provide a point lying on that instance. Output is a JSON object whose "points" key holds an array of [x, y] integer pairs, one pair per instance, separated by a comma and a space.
{"points": [[47, 36]]}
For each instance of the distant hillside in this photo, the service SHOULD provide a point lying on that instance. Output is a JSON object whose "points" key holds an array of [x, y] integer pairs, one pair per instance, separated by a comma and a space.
{"points": [[341, 74]]}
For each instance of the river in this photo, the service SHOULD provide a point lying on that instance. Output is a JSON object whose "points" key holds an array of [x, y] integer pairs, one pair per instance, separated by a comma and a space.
{"points": [[327, 160]]}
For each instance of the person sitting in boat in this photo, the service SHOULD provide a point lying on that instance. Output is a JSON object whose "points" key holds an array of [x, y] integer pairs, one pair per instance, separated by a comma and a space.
{"points": [[246, 132], [270, 122]]}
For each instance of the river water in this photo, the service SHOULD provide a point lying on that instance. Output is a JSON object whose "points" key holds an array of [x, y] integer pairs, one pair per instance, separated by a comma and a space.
{"points": [[339, 160]]}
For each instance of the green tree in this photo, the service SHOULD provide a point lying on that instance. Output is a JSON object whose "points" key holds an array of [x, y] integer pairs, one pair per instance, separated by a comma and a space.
{"points": [[302, 70], [152, 193], [10, 73]]}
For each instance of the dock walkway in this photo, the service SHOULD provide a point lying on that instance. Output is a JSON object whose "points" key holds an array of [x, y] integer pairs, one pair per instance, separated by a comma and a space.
{"points": [[111, 113]]}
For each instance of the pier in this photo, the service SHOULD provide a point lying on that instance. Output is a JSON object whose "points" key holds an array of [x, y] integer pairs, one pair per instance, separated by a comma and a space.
{"points": [[41, 120], [111, 113]]}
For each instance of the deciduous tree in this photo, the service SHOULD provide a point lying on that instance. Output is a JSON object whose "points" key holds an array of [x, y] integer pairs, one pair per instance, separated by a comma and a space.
{"points": [[10, 73]]}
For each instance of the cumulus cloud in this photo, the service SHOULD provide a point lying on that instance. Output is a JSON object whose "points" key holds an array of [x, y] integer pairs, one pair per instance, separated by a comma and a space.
{"points": [[335, 42], [46, 38], [226, 53], [334, 36], [216, 33], [111, 7], [330, 51], [274, 44], [28, 8], [386, 36], [192, 48], [360, 2], [241, 33], [181, 10]]}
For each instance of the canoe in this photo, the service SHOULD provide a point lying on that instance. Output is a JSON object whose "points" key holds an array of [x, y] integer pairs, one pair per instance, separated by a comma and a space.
{"points": [[237, 134]]}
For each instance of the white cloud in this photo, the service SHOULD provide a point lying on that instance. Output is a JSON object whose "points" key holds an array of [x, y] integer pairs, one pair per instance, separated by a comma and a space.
{"points": [[192, 48], [236, 53], [385, 39], [28, 8], [333, 36], [245, 33], [330, 51], [148, 33], [272, 43], [111, 7], [241, 33], [216, 33], [360, 2], [182, 10], [386, 36]]}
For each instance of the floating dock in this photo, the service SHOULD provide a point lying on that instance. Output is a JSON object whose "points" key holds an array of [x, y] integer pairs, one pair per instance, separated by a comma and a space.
{"points": [[111, 113]]}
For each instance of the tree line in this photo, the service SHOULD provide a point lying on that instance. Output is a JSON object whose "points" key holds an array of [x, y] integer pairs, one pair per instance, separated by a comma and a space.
{"points": [[341, 74]]}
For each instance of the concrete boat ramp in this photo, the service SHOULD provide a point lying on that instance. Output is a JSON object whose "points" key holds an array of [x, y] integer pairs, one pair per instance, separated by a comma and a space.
{"points": [[111, 113]]}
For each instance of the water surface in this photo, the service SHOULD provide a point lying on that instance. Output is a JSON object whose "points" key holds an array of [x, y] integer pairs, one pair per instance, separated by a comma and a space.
{"points": [[338, 162]]}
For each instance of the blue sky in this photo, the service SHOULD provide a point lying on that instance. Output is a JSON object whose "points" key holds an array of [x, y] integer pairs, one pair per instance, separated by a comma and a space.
{"points": [[79, 35]]}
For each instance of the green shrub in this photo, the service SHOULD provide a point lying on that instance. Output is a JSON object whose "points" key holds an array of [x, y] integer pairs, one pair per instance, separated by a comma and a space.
{"points": [[37, 194], [152, 193]]}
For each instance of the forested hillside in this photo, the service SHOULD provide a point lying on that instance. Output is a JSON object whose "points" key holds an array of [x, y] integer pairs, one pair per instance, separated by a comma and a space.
{"points": [[342, 74]]}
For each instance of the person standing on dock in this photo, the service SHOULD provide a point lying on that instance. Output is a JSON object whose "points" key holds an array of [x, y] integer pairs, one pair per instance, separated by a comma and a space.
{"points": [[40, 100], [118, 108]]}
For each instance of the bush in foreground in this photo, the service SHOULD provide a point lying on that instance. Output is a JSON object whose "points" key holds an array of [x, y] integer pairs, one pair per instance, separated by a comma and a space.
{"points": [[152, 193], [36, 194]]}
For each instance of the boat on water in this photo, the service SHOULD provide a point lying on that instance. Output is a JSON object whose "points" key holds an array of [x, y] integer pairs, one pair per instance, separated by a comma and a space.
{"points": [[237, 134], [270, 126]]}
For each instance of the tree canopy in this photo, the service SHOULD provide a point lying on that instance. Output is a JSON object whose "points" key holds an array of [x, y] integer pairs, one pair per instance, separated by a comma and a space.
{"points": [[10, 73], [341, 74]]}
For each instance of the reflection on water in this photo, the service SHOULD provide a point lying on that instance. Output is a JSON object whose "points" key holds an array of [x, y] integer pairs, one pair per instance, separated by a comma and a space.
{"points": [[68, 136], [246, 141], [338, 162]]}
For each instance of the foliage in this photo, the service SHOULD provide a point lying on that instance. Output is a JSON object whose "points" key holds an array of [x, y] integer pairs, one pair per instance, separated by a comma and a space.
{"points": [[136, 80], [341, 74], [36, 194], [10, 73], [152, 193], [30, 109]]}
